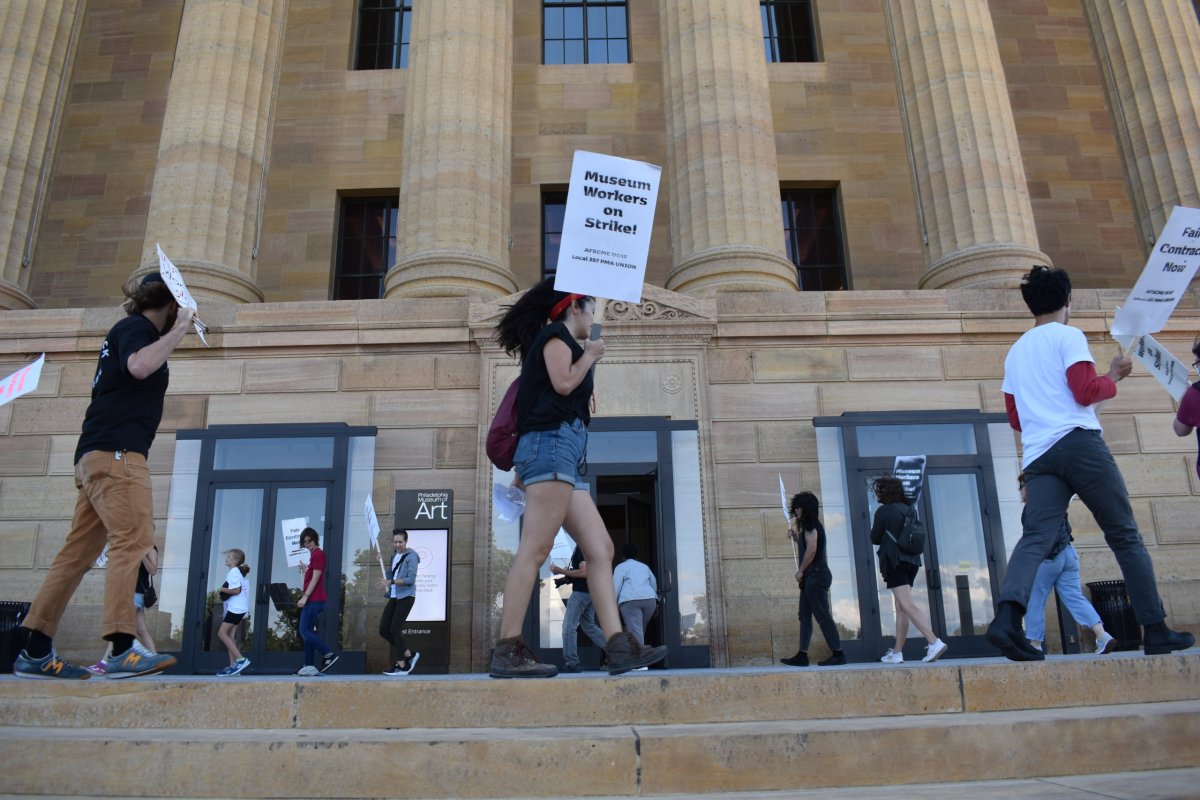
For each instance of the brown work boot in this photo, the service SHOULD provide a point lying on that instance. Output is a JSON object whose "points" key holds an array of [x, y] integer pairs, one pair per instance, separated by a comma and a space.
{"points": [[624, 653], [512, 658]]}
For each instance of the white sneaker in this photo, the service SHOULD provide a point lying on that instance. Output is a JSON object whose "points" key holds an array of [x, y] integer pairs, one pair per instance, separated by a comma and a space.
{"points": [[892, 657], [1105, 643], [934, 651]]}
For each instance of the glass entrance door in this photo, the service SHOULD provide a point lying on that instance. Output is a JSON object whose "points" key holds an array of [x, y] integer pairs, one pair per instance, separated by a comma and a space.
{"points": [[956, 584], [262, 520]]}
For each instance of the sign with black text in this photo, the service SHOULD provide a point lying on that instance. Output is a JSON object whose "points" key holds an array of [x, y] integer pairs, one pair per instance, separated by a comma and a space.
{"points": [[607, 226], [1172, 265], [911, 472]]}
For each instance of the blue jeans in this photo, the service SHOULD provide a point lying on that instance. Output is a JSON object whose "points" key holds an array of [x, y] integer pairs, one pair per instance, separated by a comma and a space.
{"points": [[1061, 573], [308, 632], [1080, 463], [580, 612]]}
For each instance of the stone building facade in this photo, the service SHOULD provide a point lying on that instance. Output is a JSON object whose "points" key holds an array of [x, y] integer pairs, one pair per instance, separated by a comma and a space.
{"points": [[957, 143]]}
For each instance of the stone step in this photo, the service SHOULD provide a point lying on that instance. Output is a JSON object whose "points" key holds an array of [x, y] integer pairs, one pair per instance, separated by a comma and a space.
{"points": [[598, 760], [752, 695]]}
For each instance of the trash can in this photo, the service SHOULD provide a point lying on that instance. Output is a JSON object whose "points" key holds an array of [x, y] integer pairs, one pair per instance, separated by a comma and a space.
{"points": [[1116, 612], [11, 614]]}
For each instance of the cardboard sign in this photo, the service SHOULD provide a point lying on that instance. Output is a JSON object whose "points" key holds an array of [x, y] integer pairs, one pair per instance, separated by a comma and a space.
{"points": [[372, 523], [1166, 368], [787, 513], [1168, 271], [607, 226], [296, 553], [174, 280], [23, 381]]}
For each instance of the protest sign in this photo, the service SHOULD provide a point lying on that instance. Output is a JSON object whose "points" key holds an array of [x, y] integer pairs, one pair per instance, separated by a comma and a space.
{"points": [[787, 517], [23, 381], [1166, 368], [607, 226], [295, 552], [911, 472], [1168, 271], [373, 532], [174, 281]]}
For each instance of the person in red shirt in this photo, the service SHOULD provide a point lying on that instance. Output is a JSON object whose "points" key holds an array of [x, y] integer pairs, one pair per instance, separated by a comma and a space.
{"points": [[1188, 417], [312, 603]]}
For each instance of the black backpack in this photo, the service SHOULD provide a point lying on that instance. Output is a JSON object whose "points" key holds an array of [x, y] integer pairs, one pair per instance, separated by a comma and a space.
{"points": [[912, 534]]}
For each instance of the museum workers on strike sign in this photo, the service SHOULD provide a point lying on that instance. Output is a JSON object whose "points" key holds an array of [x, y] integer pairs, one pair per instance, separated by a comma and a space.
{"points": [[607, 226]]}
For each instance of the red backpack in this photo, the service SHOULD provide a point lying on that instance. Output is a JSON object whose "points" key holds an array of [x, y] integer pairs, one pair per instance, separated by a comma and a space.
{"points": [[503, 434]]}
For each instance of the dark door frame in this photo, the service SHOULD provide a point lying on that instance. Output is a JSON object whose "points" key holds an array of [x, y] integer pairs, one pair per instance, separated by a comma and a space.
{"points": [[192, 656], [872, 641]]}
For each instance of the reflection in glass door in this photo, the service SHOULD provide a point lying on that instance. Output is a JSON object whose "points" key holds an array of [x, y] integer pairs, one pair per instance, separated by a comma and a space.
{"points": [[257, 520], [955, 586]]}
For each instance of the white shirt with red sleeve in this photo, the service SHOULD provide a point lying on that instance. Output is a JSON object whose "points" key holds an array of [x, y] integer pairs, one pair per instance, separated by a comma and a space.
{"points": [[1035, 374]]}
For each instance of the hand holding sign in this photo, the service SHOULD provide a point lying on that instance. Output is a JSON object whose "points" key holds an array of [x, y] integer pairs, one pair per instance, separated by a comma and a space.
{"points": [[174, 280]]}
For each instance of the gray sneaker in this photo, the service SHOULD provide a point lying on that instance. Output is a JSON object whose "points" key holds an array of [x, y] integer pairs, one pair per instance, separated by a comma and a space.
{"points": [[512, 658], [48, 667], [132, 663], [625, 654]]}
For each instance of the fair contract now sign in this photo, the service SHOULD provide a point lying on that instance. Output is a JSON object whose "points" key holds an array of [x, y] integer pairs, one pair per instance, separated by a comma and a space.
{"points": [[607, 227]]}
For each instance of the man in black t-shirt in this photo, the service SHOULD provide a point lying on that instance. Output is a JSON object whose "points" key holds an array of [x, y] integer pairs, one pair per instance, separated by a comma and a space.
{"points": [[580, 613], [114, 505]]}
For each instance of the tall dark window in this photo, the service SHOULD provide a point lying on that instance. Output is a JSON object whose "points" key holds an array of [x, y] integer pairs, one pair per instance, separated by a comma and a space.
{"points": [[554, 205], [384, 27], [585, 32], [813, 236], [788, 30], [366, 246]]}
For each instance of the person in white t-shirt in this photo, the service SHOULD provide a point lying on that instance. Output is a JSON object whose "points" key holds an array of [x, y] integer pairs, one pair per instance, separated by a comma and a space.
{"points": [[236, 593], [1050, 391]]}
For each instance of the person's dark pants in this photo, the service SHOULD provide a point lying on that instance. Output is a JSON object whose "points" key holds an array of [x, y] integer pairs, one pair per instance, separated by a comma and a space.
{"points": [[313, 646], [1080, 463], [814, 602], [395, 614]]}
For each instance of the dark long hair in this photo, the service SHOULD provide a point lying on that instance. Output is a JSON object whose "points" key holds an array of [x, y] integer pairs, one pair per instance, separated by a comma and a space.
{"points": [[520, 325], [889, 490], [804, 507], [144, 294]]}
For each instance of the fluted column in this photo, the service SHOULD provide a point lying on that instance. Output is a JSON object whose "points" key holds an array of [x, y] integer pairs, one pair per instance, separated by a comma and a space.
{"points": [[208, 182], [35, 44], [1151, 53], [457, 164], [722, 171], [970, 180]]}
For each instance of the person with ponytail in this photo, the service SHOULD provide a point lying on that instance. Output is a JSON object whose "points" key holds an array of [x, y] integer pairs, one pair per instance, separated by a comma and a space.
{"points": [[548, 331], [236, 593]]}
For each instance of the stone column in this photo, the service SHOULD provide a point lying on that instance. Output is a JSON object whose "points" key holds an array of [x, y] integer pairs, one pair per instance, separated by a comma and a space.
{"points": [[457, 164], [969, 178], [208, 182], [1150, 51], [722, 173], [35, 45]]}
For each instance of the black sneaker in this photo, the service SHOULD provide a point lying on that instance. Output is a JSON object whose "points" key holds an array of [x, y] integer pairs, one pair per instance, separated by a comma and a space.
{"points": [[798, 660], [328, 661], [1160, 640], [512, 658], [836, 660], [625, 654], [571, 668]]}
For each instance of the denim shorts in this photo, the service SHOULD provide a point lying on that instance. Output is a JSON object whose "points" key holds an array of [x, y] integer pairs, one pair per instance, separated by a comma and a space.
{"points": [[139, 600], [553, 455]]}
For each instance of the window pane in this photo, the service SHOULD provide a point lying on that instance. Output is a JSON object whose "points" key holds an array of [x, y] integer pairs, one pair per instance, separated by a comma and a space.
{"points": [[616, 22], [572, 23], [618, 51], [573, 52], [597, 51], [907, 440], [553, 23], [597, 26], [553, 53], [296, 453]]}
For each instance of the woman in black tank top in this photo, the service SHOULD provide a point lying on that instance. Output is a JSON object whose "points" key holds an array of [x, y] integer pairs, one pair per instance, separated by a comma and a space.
{"points": [[814, 578], [548, 330]]}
